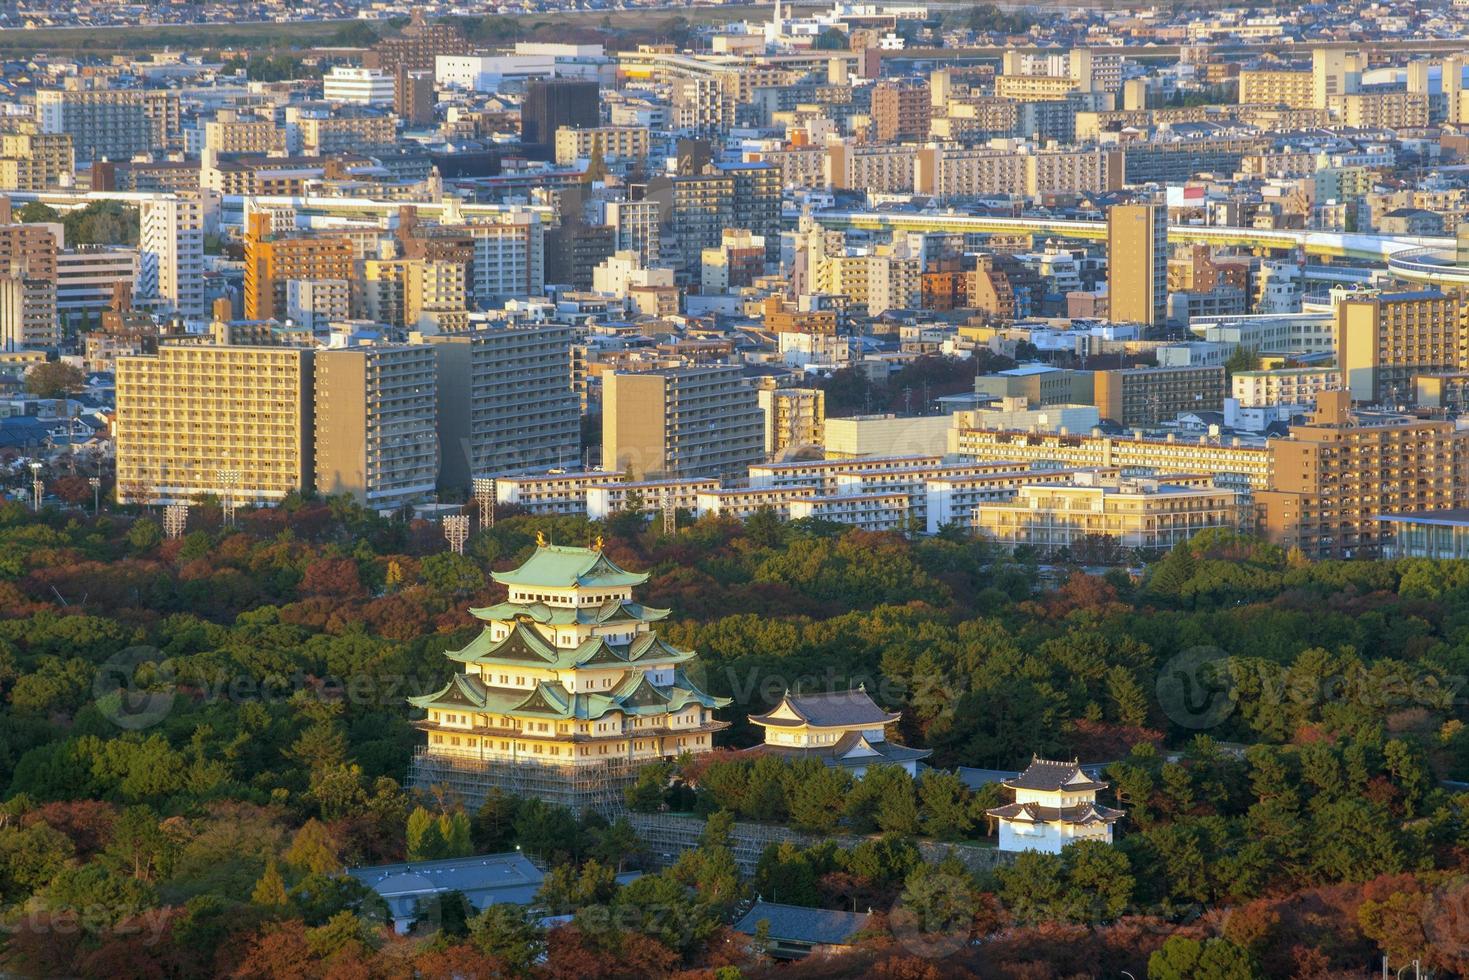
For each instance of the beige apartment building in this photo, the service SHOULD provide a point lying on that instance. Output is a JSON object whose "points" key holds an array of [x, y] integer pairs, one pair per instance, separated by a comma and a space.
{"points": [[115, 123], [1145, 514], [1384, 340], [1276, 87], [699, 421], [190, 415], [346, 134], [1035, 88], [1333, 478], [794, 418], [870, 166], [610, 142], [1230, 464], [35, 161], [1385, 110], [375, 423], [228, 132], [1283, 386], [1137, 264]]}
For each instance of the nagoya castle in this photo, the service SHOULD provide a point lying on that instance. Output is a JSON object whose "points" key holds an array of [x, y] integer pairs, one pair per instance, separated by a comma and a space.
{"points": [[566, 691]]}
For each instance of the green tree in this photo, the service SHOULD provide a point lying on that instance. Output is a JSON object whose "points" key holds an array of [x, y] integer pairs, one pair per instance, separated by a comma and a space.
{"points": [[270, 890], [54, 379], [1213, 959], [425, 839], [504, 931], [314, 850]]}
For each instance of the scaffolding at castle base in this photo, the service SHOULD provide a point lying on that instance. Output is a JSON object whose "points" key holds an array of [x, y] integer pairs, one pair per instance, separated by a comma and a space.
{"points": [[596, 786]]}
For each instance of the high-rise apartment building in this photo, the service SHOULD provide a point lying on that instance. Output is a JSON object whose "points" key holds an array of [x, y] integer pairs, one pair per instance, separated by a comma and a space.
{"points": [[1335, 72], [416, 46], [413, 97], [744, 196], [35, 161], [112, 123], [228, 132], [375, 423], [29, 248], [637, 225], [1333, 477], [1384, 340], [1137, 263], [171, 252], [795, 418], [220, 420], [28, 317], [700, 421], [506, 404], [901, 110], [553, 104], [271, 261], [509, 257]]}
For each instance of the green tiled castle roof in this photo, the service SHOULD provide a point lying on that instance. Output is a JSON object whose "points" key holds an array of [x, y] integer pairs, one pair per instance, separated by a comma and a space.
{"points": [[611, 611], [555, 566], [636, 695], [525, 646]]}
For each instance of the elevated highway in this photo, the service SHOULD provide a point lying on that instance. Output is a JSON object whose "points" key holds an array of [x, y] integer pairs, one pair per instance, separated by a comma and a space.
{"points": [[1337, 245]]}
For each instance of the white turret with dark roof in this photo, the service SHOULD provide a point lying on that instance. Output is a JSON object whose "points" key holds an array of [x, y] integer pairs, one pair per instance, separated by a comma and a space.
{"points": [[568, 670], [1055, 804], [841, 728]]}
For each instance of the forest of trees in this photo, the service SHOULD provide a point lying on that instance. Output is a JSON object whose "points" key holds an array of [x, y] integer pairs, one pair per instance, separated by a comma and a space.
{"points": [[199, 734]]}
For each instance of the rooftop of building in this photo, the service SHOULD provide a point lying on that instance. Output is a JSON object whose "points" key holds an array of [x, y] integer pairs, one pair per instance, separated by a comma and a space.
{"points": [[565, 567], [796, 923], [832, 709]]}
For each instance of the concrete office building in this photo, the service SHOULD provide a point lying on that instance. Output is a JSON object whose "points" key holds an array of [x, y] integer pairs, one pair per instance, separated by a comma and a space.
{"points": [[506, 404], [1137, 264], [189, 415], [684, 422], [89, 277], [376, 423], [357, 86]]}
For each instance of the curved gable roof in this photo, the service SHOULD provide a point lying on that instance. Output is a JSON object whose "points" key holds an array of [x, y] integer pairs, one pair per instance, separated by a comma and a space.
{"points": [[561, 567]]}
